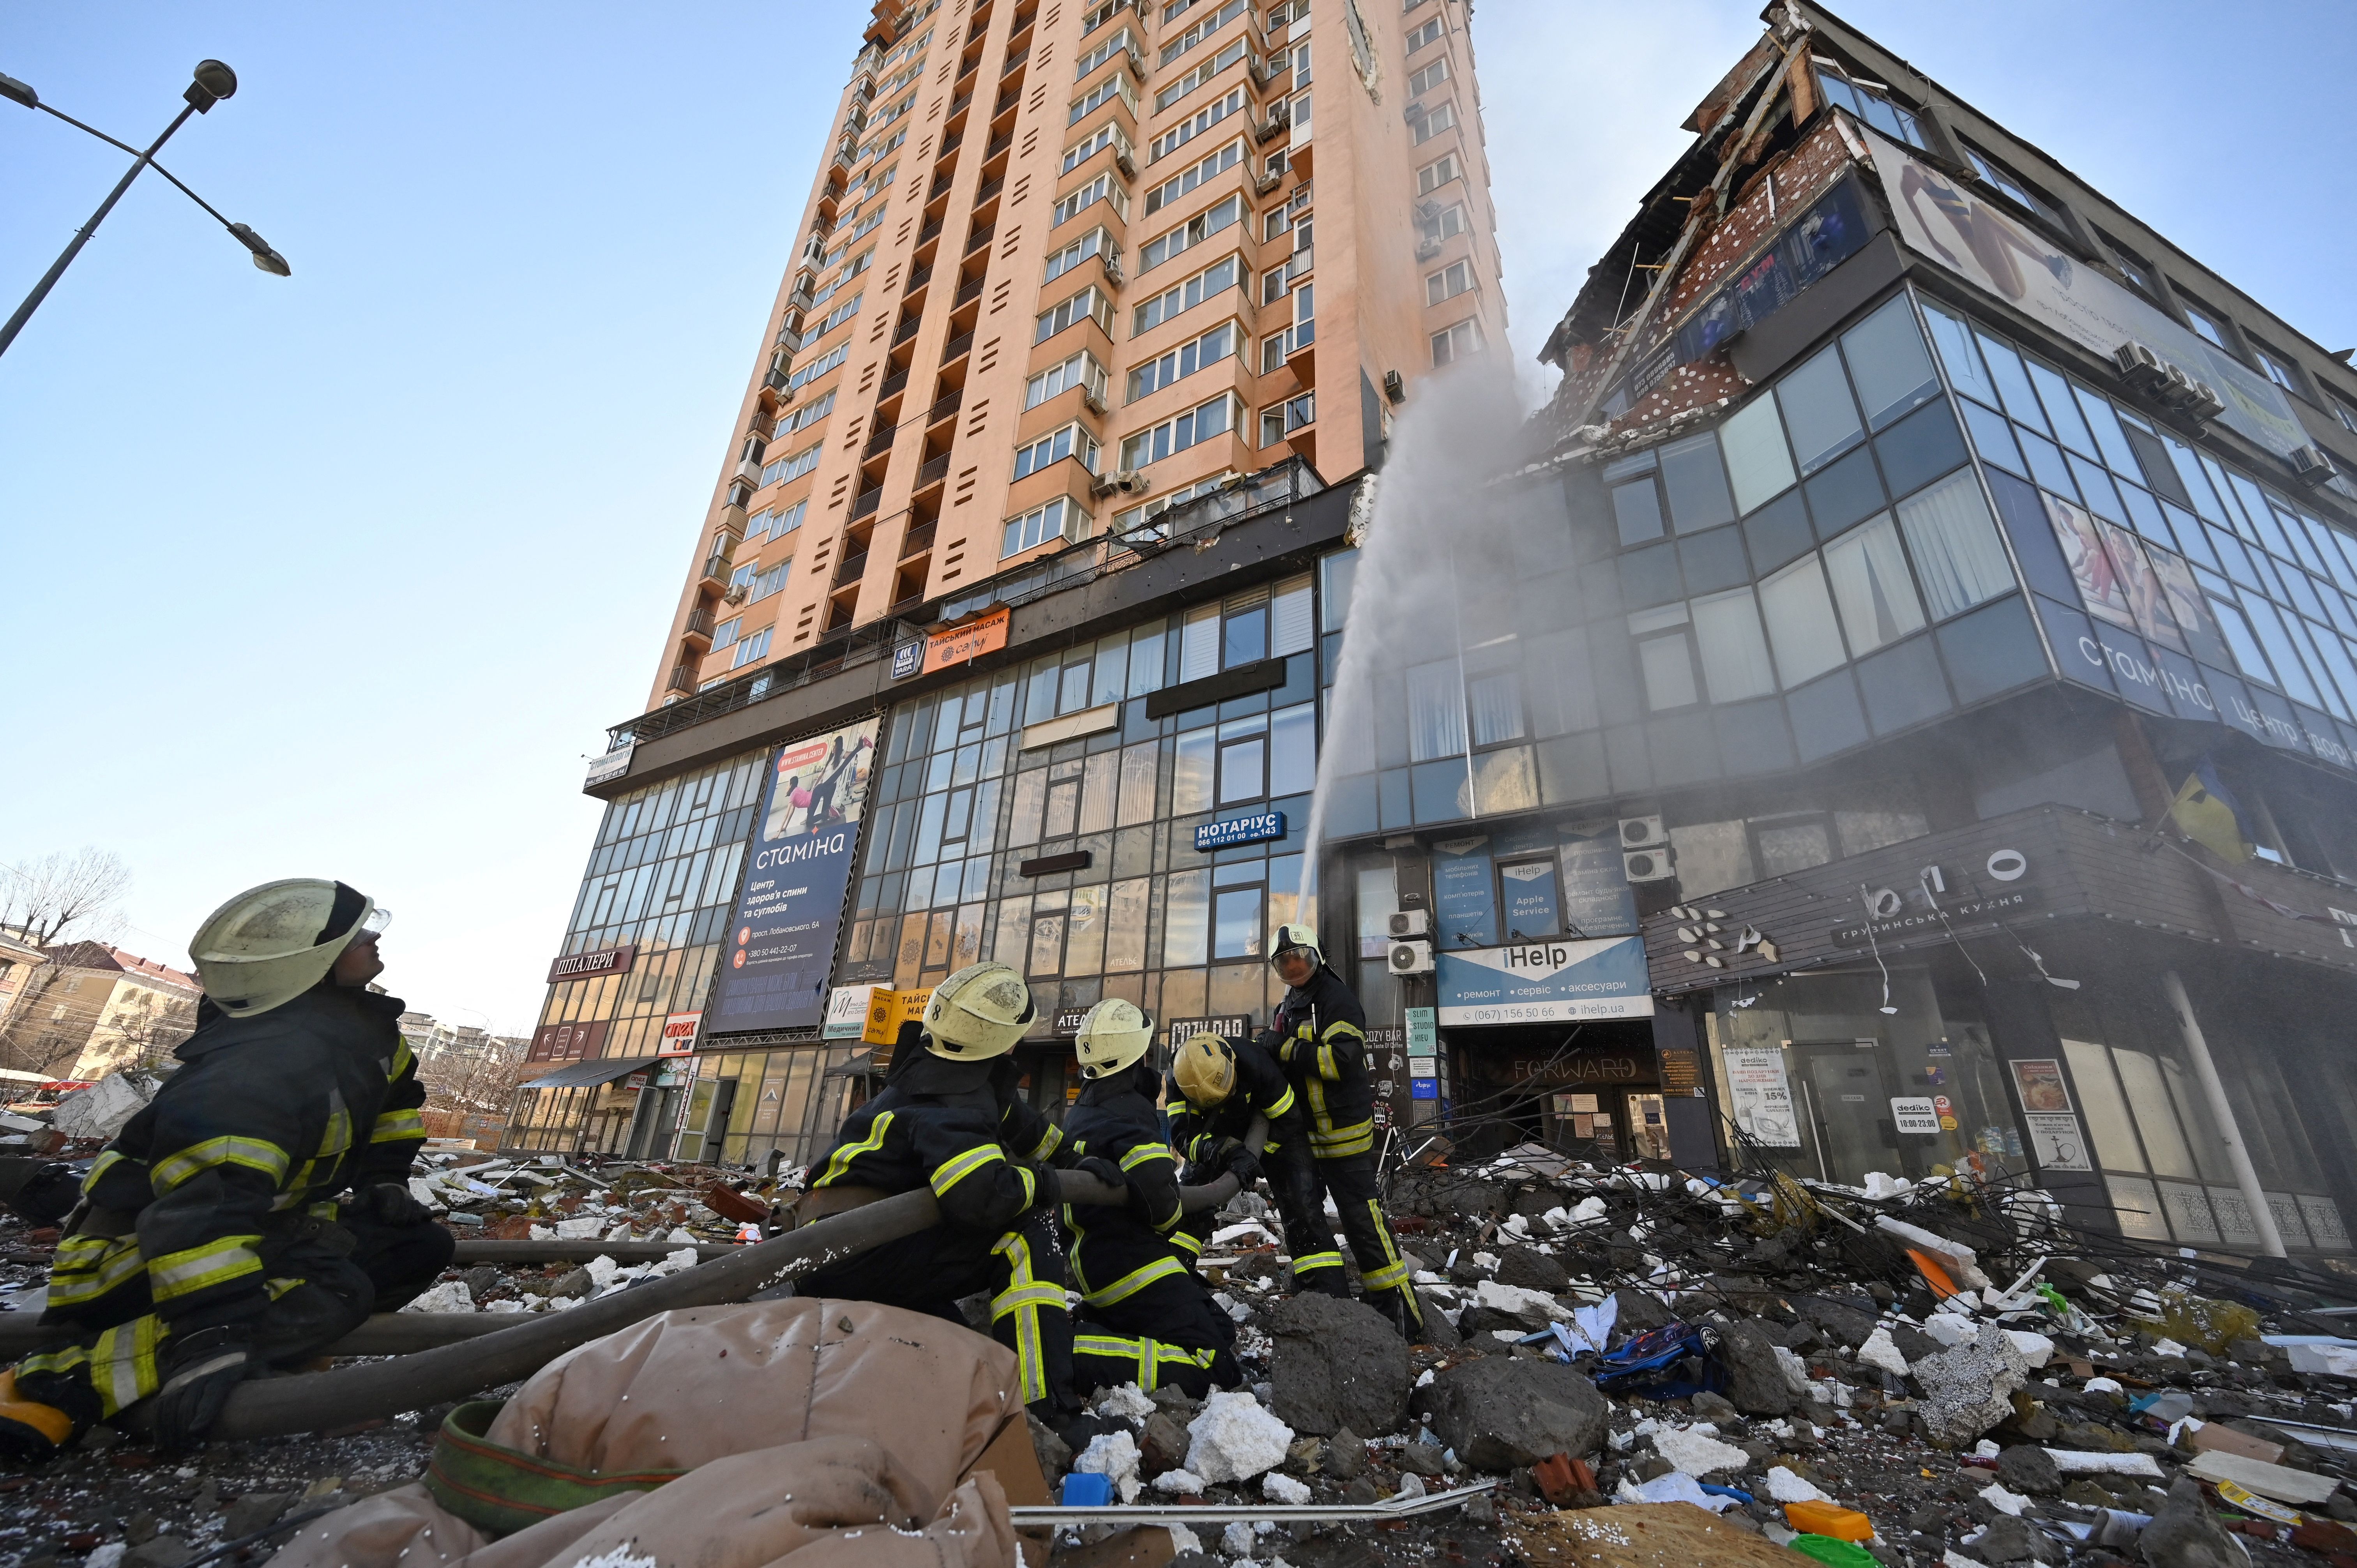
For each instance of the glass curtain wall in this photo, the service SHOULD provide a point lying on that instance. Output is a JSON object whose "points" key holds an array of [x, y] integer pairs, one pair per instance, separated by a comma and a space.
{"points": [[962, 804]]}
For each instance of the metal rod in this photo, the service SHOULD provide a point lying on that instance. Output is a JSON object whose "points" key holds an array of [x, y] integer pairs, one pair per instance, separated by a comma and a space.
{"points": [[1274, 1513], [16, 323], [581, 1251]]}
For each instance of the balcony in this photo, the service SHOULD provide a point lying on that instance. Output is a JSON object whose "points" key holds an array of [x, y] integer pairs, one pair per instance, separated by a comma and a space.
{"points": [[978, 239], [715, 570], [934, 471], [865, 505], [960, 101], [878, 444], [950, 144], [919, 278], [851, 569], [998, 145], [682, 679], [920, 539], [699, 622], [967, 291], [946, 405], [989, 189], [956, 349], [894, 384], [906, 330], [932, 226], [1017, 58], [1006, 101]]}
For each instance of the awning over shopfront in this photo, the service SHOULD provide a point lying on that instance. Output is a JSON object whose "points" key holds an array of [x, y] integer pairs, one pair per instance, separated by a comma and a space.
{"points": [[577, 1075]]}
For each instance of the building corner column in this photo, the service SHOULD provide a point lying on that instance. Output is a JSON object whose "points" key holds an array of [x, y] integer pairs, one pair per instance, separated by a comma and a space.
{"points": [[2238, 1154]]}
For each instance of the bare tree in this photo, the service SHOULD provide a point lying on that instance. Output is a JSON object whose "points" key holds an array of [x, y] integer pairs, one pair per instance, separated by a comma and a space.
{"points": [[478, 1082], [61, 895]]}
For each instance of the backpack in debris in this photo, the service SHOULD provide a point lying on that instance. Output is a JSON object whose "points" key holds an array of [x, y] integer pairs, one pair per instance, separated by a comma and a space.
{"points": [[1652, 1361]]}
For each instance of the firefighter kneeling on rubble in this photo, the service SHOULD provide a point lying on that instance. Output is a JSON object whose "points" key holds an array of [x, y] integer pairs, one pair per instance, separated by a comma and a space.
{"points": [[1147, 1319], [1321, 1040], [1218, 1088], [207, 1247], [950, 1119]]}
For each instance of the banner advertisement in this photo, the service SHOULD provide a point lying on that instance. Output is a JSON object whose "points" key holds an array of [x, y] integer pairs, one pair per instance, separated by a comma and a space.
{"points": [[1546, 983], [798, 871], [1952, 224], [1759, 1095]]}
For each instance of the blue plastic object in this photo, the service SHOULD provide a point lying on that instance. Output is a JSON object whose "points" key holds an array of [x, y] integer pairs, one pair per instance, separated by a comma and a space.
{"points": [[1737, 1493], [1087, 1490]]}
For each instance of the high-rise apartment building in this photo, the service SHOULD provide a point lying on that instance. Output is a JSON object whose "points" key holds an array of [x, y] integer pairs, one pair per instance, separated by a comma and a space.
{"points": [[1095, 312], [1060, 270]]}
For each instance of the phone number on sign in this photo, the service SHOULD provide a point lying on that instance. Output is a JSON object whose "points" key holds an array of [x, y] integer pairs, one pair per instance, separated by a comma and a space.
{"points": [[1549, 1012]]}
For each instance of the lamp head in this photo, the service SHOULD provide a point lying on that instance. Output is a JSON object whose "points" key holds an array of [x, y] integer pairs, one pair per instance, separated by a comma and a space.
{"points": [[215, 81]]}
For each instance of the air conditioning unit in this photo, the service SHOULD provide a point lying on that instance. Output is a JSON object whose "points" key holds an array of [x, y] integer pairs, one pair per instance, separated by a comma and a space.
{"points": [[1105, 484], [1124, 162], [1091, 401], [2312, 466], [1395, 387], [1643, 833], [1112, 268], [2166, 385], [1410, 957], [736, 595], [1280, 119], [1408, 923], [1131, 479], [1265, 181], [1647, 864], [1426, 248]]}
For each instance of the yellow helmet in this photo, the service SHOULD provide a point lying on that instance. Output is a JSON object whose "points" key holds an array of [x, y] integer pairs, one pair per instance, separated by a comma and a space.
{"points": [[1205, 1068], [272, 943], [979, 1012], [1113, 1035]]}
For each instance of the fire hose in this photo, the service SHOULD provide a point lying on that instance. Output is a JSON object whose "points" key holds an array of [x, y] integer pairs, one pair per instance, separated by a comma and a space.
{"points": [[277, 1407]]}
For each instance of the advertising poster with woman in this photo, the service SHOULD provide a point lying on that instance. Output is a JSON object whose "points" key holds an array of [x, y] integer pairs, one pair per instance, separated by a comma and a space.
{"points": [[779, 950]]}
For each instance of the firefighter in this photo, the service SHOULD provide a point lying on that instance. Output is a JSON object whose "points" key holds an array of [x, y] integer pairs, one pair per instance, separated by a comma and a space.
{"points": [[1146, 1319], [1216, 1088], [209, 1243], [1321, 1040], [950, 1119]]}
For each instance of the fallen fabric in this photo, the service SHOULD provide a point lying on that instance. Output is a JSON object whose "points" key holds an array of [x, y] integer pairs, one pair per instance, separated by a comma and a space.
{"points": [[799, 1425]]}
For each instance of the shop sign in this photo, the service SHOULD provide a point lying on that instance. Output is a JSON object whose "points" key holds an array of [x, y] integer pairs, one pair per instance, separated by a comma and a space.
{"points": [[906, 659], [789, 906], [1581, 1067], [1422, 1032], [679, 1033], [1423, 1088], [1914, 1115], [612, 766], [1261, 829], [1181, 1030], [1423, 1067], [846, 1012], [1546, 983], [1895, 912], [1068, 1021], [2056, 1140], [567, 1042], [888, 1010], [1760, 1095], [961, 643], [589, 965]]}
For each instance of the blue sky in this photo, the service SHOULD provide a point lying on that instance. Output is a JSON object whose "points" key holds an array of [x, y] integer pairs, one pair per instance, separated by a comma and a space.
{"points": [[342, 574]]}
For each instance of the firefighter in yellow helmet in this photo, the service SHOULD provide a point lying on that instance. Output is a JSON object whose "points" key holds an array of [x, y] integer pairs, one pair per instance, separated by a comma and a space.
{"points": [[950, 1119], [210, 1243], [1217, 1087], [1145, 1318], [1319, 1038]]}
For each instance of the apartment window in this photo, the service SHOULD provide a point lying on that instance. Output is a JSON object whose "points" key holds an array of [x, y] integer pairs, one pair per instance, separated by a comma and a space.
{"points": [[1108, 134], [1060, 519], [1424, 35], [1442, 117], [1275, 221], [793, 466], [1095, 242], [724, 635], [1101, 188], [1081, 370], [1300, 64], [835, 318], [1451, 281], [770, 581], [1071, 441], [1453, 343], [1216, 279], [810, 413], [1203, 29], [1120, 42], [1192, 233], [1301, 114], [1136, 518], [2204, 320], [1209, 350], [1278, 346], [1176, 434], [2345, 413], [1444, 224], [1171, 189], [1229, 55], [777, 524], [1281, 421], [1436, 174], [1112, 87], [1089, 304], [752, 649], [2278, 369], [1866, 101], [2008, 183], [1420, 82], [1195, 125]]}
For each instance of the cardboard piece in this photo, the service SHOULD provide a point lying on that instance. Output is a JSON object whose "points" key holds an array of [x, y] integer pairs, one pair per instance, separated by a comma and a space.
{"points": [[1016, 1463], [2213, 1438], [2297, 1488]]}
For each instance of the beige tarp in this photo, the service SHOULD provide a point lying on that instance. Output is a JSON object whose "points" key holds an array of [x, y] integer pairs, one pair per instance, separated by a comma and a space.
{"points": [[815, 1433]]}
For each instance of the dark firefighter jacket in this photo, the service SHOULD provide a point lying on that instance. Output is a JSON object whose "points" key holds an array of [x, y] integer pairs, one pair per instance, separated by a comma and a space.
{"points": [[956, 1127], [1260, 1089], [1321, 1042], [272, 1116], [1118, 1251]]}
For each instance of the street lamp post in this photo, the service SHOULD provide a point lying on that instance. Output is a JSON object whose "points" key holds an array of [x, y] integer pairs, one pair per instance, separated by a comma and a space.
{"points": [[212, 82]]}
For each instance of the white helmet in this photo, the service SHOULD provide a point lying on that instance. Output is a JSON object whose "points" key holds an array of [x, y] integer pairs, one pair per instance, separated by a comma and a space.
{"points": [[979, 1012], [1113, 1036], [272, 943], [1294, 938]]}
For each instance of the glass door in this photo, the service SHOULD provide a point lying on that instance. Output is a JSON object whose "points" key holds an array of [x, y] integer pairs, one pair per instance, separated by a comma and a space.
{"points": [[1848, 1101], [1649, 1131]]}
